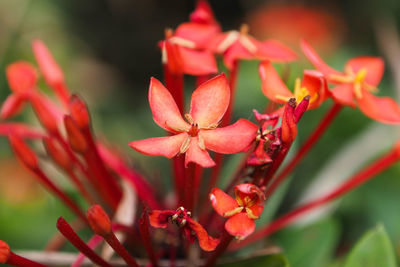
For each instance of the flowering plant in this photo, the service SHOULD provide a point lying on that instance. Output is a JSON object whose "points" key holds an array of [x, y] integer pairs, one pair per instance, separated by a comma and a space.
{"points": [[207, 218]]}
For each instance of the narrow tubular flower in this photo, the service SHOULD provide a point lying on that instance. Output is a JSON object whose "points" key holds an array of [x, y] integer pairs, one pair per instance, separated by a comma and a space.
{"points": [[200, 132], [10, 258], [359, 80], [242, 211]]}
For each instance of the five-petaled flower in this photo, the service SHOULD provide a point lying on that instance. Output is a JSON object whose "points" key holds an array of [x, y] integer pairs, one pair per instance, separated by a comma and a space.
{"points": [[242, 212], [208, 105], [191, 228], [313, 84], [361, 76]]}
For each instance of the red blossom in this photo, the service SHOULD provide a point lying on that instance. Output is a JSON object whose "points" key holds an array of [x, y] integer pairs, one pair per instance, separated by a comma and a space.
{"points": [[359, 80], [241, 211], [182, 217], [208, 105], [313, 84]]}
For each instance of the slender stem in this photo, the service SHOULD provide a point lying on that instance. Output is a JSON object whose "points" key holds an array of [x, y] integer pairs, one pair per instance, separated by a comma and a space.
{"points": [[69, 233], [81, 188], [356, 180], [178, 164], [276, 163], [314, 137], [19, 261], [221, 248], [113, 241], [190, 186], [145, 234]]}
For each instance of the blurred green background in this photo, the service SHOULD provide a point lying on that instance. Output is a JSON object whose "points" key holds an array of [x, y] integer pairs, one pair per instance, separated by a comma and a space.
{"points": [[108, 51]]}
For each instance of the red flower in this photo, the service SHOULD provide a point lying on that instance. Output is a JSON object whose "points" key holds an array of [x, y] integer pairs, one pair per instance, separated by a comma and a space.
{"points": [[361, 76], [235, 45], [208, 105], [313, 84], [242, 212], [191, 228]]}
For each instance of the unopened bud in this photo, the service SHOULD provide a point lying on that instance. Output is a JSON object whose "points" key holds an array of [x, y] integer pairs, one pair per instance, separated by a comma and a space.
{"points": [[289, 128], [79, 111], [4, 252], [301, 108], [99, 220], [75, 137], [21, 76], [11, 106], [59, 156], [44, 114], [23, 152]]}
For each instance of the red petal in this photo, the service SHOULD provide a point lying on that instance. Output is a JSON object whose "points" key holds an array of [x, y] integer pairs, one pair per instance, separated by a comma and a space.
{"points": [[206, 242], [314, 58], [257, 209], [165, 111], [374, 66], [236, 52], [197, 155], [382, 109], [168, 146], [231, 139], [159, 218], [210, 101], [343, 94], [197, 62], [276, 51], [222, 202], [240, 226], [251, 190], [200, 34], [203, 13], [11, 106], [271, 83], [316, 84], [21, 76], [21, 130]]}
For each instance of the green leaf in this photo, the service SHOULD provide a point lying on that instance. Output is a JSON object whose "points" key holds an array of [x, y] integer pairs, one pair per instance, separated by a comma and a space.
{"points": [[312, 245], [274, 260], [373, 249]]}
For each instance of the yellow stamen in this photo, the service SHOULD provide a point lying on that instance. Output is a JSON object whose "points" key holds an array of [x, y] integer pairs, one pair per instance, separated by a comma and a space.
{"points": [[360, 76], [233, 212], [231, 37], [182, 42], [283, 98], [201, 142], [185, 145], [250, 214]]}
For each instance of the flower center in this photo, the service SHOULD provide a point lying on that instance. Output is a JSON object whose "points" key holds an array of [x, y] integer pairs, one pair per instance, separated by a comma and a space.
{"points": [[180, 217], [299, 93]]}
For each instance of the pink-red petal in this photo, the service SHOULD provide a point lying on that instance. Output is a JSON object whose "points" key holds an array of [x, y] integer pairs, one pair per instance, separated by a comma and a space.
{"points": [[197, 62], [315, 82], [240, 226], [165, 111], [276, 51], [343, 94], [382, 109], [159, 218], [210, 101], [250, 190], [373, 65], [271, 84], [168, 146], [198, 33], [222, 202], [21, 130], [11, 106], [231, 139], [197, 155], [206, 242]]}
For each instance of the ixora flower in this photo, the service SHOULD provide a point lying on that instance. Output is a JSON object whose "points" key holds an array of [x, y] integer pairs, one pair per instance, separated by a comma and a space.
{"points": [[236, 45], [313, 84], [241, 211], [182, 217], [208, 105], [361, 76]]}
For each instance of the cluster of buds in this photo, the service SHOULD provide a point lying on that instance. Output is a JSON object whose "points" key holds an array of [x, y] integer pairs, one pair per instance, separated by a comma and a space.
{"points": [[196, 140]]}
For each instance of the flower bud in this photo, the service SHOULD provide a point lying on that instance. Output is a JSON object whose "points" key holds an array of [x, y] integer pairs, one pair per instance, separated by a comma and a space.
{"points": [[301, 108], [4, 252], [59, 156], [23, 152], [21, 76], [44, 114], [79, 111], [75, 137], [99, 220], [289, 128], [11, 106]]}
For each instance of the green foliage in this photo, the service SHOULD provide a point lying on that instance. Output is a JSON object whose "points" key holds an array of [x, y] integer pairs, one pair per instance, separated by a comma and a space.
{"points": [[275, 260]]}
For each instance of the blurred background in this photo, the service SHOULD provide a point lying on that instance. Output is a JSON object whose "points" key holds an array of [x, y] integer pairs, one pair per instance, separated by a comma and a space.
{"points": [[108, 51]]}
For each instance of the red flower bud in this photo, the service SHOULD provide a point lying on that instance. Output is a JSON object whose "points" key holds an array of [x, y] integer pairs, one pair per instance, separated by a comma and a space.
{"points": [[11, 106], [23, 152], [99, 220], [44, 114], [75, 137], [21, 76], [79, 111], [289, 128], [301, 108], [4, 252], [59, 155]]}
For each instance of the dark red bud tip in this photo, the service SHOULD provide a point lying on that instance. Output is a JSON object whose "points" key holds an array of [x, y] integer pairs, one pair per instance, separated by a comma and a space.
{"points": [[99, 220], [289, 128], [301, 108], [75, 137], [79, 111], [59, 156], [23, 152], [4, 252]]}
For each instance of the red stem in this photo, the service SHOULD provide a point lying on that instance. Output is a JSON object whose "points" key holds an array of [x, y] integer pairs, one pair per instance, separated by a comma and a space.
{"points": [[314, 137], [145, 234], [69, 233], [81, 188], [221, 248], [356, 180], [113, 241], [19, 261], [60, 194], [189, 189]]}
